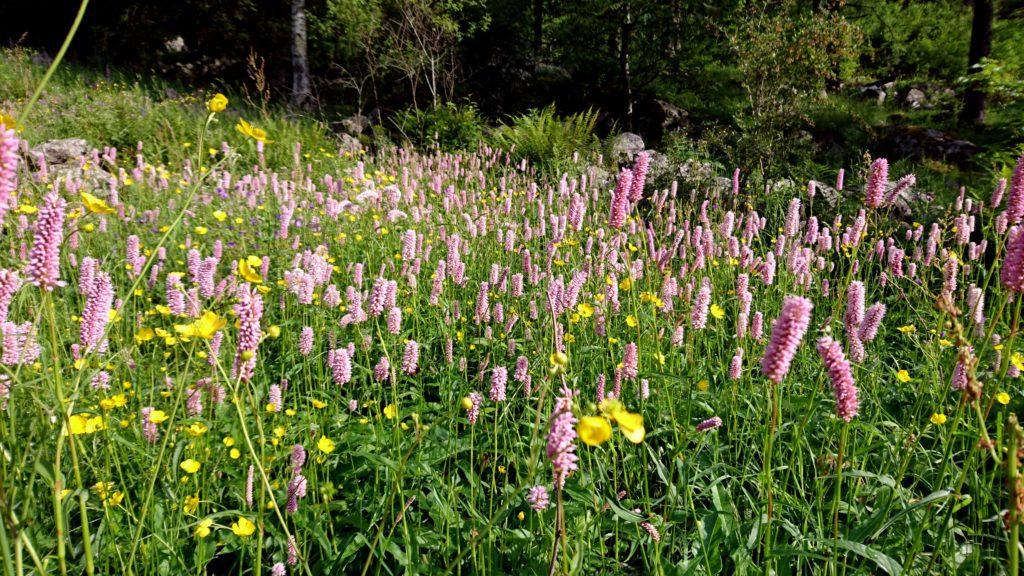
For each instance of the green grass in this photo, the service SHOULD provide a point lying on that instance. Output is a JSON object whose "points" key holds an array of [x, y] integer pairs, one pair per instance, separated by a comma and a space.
{"points": [[915, 484]]}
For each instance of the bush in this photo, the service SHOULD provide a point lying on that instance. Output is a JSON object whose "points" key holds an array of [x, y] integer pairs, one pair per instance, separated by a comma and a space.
{"points": [[786, 57], [548, 140], [449, 126]]}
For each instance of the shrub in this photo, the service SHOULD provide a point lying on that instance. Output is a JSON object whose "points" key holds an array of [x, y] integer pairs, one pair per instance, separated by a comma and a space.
{"points": [[449, 126], [549, 140]]}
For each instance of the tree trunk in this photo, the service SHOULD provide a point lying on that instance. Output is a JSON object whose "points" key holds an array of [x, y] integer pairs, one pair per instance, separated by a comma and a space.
{"points": [[981, 46], [301, 93], [624, 51], [538, 29]]}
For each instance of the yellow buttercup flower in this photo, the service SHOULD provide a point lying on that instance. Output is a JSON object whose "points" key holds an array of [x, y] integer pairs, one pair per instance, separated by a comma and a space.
{"points": [[594, 430], [144, 335], [325, 444], [908, 329], [251, 131], [158, 416], [390, 411], [190, 466], [717, 312], [631, 425], [205, 327], [243, 528], [1003, 398], [203, 528], [95, 205], [218, 103], [191, 505], [85, 423], [220, 215], [903, 376], [115, 401], [938, 419], [9, 122], [247, 270], [467, 403], [585, 310], [631, 321]]}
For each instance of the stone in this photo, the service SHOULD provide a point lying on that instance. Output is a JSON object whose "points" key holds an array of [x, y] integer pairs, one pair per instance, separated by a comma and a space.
{"points": [[60, 151], [826, 193], [356, 124], [349, 143], [694, 171], [915, 98], [626, 146], [63, 161], [907, 201], [657, 117], [598, 177], [875, 93], [901, 141]]}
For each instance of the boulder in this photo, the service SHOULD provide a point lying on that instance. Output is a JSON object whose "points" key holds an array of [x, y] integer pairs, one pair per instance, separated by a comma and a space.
{"points": [[63, 160], [657, 117], [901, 141], [694, 171], [349, 143], [626, 146], [908, 200], [875, 93], [827, 193], [915, 98], [598, 177], [658, 166], [63, 151], [356, 124]]}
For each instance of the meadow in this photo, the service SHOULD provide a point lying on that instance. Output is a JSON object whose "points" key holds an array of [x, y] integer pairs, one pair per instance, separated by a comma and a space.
{"points": [[256, 360]]}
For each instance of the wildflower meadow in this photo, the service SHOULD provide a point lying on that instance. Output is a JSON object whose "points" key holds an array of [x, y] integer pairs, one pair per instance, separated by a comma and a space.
{"points": [[420, 361]]}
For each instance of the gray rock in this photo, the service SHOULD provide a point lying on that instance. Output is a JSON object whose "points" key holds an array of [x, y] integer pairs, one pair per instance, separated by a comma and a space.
{"points": [[598, 176], [63, 160], [826, 193], [782, 185], [875, 93], [915, 98], [656, 117], [356, 124], [350, 143], [60, 151], [694, 171], [907, 201], [658, 165], [626, 146], [902, 141]]}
